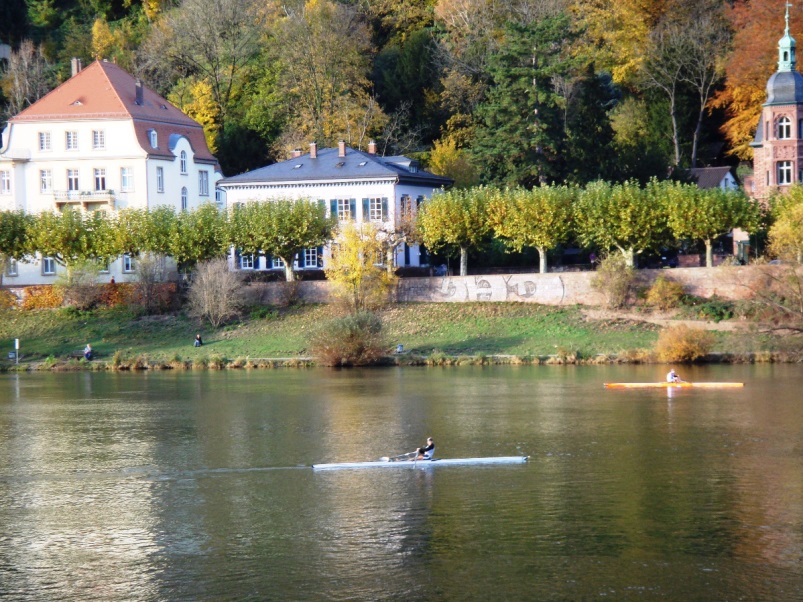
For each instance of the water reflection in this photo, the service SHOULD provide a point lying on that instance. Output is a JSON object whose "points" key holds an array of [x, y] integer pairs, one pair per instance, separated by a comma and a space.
{"points": [[197, 486]]}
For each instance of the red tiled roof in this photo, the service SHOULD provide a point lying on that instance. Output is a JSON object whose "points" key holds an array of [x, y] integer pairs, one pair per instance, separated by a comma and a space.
{"points": [[105, 91]]}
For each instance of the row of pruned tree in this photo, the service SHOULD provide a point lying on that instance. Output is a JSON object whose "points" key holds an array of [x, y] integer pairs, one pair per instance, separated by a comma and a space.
{"points": [[626, 217], [281, 228]]}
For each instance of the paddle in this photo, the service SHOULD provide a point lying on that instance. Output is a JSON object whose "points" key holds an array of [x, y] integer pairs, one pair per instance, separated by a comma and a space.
{"points": [[397, 458]]}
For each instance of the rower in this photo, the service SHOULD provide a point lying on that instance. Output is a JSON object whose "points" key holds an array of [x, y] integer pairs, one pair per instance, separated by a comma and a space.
{"points": [[426, 452], [671, 377]]}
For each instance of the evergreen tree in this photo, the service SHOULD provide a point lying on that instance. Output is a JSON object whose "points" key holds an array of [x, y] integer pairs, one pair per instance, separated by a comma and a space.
{"points": [[520, 138]]}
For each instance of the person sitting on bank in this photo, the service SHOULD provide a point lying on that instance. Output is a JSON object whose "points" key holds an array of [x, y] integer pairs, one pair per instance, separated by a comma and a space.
{"points": [[426, 452], [198, 341], [672, 377], [88, 352]]}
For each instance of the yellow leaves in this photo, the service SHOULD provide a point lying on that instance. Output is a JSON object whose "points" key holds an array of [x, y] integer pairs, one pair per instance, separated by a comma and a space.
{"points": [[447, 159], [196, 99], [103, 40]]}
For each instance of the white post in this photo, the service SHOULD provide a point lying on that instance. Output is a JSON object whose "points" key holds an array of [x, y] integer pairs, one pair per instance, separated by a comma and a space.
{"points": [[17, 351]]}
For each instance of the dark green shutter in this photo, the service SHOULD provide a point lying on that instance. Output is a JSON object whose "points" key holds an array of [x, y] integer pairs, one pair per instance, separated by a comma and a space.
{"points": [[353, 208], [322, 205], [384, 208], [333, 206], [366, 210], [320, 257]]}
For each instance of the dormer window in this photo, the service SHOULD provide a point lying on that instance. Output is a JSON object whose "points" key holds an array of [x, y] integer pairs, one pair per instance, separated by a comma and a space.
{"points": [[413, 167], [297, 166], [340, 164], [363, 163], [153, 139]]}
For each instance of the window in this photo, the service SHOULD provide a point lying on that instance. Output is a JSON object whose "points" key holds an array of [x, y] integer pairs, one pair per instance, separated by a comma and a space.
{"points": [[48, 266], [72, 180], [784, 128], [103, 266], [784, 172], [219, 198], [160, 179], [375, 209], [98, 139], [203, 183], [128, 264], [71, 141], [343, 210], [183, 162], [5, 182], [184, 198], [100, 179], [311, 258], [12, 268], [152, 137], [126, 179], [277, 263], [44, 141], [246, 262], [45, 180]]}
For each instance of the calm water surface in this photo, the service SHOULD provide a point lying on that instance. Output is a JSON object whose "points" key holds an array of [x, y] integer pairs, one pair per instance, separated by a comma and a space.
{"points": [[197, 486]]}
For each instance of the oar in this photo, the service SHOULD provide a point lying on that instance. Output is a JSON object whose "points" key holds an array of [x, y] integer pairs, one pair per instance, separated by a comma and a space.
{"points": [[397, 458]]}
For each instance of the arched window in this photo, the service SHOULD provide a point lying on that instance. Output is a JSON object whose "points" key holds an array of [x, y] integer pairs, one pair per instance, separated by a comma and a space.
{"points": [[784, 128], [183, 162], [184, 198]]}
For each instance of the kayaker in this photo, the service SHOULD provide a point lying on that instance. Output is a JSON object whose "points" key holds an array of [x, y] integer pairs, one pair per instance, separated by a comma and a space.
{"points": [[671, 377], [426, 452]]}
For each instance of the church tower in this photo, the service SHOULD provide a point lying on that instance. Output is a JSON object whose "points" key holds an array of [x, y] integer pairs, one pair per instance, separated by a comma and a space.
{"points": [[778, 144]]}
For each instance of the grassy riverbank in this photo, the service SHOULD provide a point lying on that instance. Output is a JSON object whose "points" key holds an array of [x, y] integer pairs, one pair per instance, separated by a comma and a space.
{"points": [[434, 332]]}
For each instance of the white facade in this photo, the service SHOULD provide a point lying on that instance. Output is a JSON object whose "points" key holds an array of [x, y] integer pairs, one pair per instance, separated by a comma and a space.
{"points": [[107, 153], [376, 196]]}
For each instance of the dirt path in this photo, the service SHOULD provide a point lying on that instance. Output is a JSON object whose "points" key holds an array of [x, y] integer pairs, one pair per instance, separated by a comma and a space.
{"points": [[663, 319]]}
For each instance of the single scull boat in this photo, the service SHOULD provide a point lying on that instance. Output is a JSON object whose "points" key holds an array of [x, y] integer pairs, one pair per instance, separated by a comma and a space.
{"points": [[424, 463], [665, 385]]}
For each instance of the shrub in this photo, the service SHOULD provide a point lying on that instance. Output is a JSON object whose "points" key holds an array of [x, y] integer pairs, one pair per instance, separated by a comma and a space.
{"points": [[80, 284], [615, 279], [664, 293], [353, 340], [8, 300], [683, 344], [44, 296], [216, 293]]}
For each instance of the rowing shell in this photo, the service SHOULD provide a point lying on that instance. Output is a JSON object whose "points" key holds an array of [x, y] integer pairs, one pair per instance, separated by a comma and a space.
{"points": [[425, 463], [665, 385]]}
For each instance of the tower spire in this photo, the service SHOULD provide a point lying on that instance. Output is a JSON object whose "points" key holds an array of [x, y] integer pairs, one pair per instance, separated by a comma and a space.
{"points": [[786, 47]]}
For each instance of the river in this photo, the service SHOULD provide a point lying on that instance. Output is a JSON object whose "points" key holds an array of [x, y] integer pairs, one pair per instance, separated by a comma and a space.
{"points": [[198, 486]]}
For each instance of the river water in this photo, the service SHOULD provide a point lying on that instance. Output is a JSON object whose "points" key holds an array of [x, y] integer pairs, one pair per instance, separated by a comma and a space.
{"points": [[198, 486]]}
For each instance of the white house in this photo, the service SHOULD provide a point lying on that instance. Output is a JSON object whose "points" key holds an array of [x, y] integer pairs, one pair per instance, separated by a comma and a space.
{"points": [[352, 184], [101, 141]]}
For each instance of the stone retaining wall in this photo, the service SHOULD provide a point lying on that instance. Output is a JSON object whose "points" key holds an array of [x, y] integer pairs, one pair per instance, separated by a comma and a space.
{"points": [[554, 288]]}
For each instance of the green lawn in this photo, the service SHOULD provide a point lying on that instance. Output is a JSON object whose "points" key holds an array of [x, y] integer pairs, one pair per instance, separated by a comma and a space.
{"points": [[456, 329]]}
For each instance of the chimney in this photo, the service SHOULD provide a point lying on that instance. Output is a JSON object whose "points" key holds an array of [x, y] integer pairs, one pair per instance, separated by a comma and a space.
{"points": [[140, 100], [371, 147], [341, 148], [313, 150], [295, 153], [75, 66]]}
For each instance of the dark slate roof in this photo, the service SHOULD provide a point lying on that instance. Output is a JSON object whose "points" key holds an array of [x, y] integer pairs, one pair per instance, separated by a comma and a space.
{"points": [[785, 88], [758, 140], [356, 165], [708, 177]]}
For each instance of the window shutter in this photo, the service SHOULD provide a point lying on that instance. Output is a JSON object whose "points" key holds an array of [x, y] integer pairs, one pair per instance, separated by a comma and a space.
{"points": [[333, 206], [322, 205], [384, 208], [406, 254], [366, 210], [268, 262], [320, 257], [353, 209]]}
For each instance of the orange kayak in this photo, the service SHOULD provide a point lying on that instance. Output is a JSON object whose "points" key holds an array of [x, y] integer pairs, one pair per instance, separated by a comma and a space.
{"points": [[673, 385]]}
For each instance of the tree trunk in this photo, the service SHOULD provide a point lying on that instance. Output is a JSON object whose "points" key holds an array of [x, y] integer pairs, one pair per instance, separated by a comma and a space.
{"points": [[464, 261], [390, 256], [709, 253], [289, 272], [630, 257], [675, 133], [542, 268], [696, 137]]}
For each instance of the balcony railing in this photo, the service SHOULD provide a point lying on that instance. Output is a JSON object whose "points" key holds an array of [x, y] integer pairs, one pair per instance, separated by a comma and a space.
{"points": [[83, 198]]}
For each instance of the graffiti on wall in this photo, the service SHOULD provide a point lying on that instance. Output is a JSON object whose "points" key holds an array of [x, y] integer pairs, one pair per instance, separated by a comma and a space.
{"points": [[548, 289]]}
